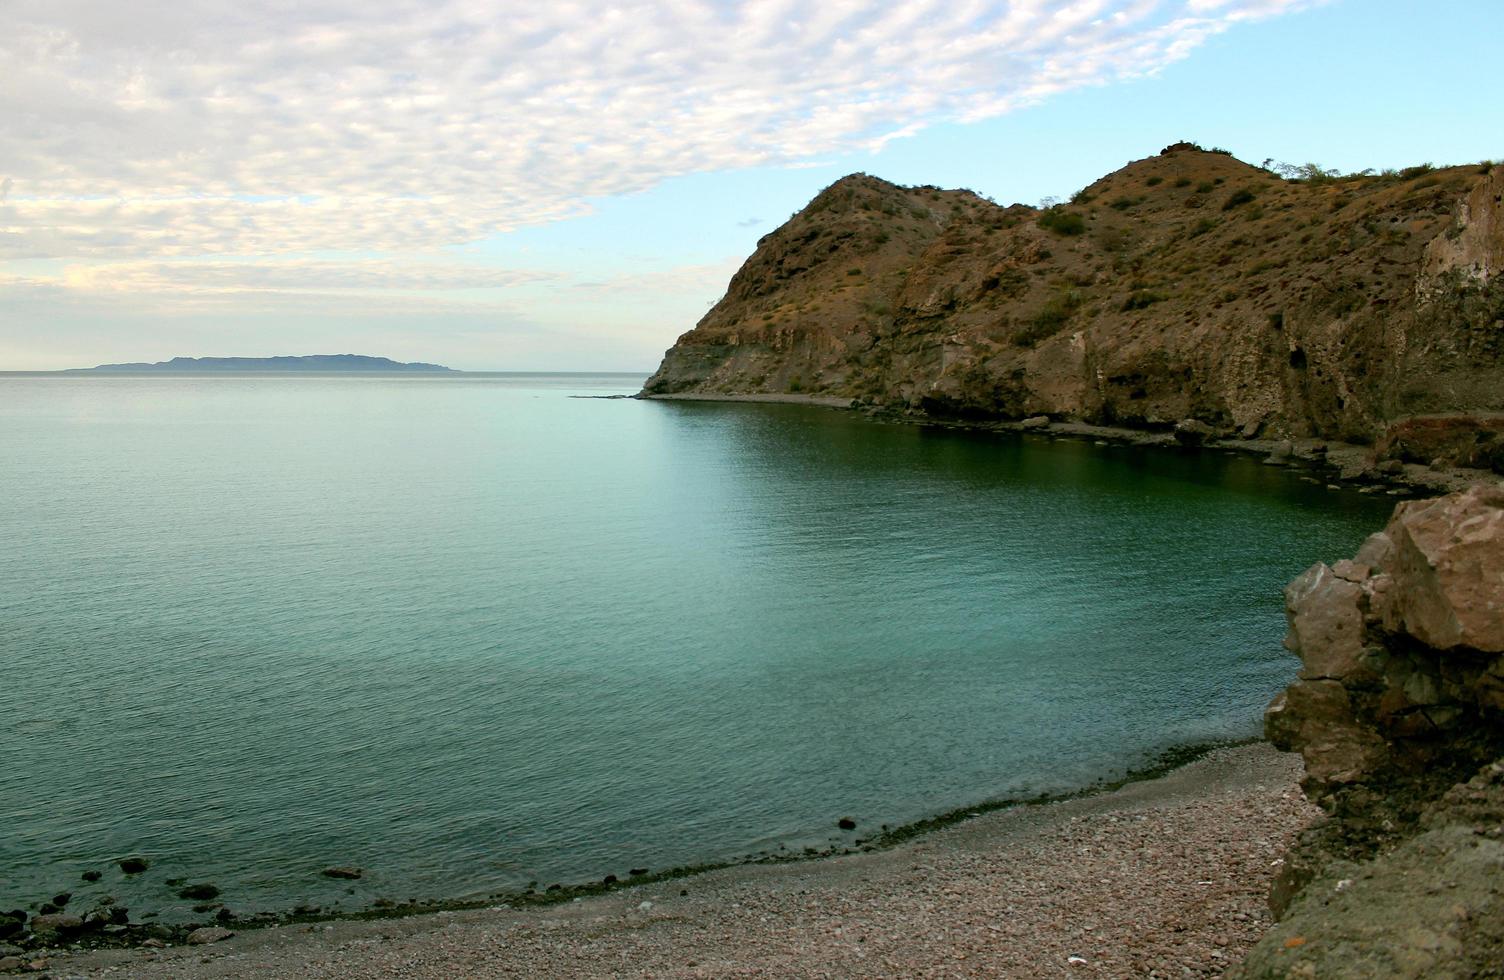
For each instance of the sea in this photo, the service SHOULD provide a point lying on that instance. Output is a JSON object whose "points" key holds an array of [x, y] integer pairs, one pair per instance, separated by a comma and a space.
{"points": [[479, 633]]}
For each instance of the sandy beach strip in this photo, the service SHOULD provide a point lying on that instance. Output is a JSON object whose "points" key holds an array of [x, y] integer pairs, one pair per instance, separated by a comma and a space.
{"points": [[1161, 878]]}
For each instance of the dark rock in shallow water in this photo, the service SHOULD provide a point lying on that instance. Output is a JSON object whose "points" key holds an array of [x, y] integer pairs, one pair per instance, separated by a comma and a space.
{"points": [[134, 866], [91, 876], [106, 915], [46, 925], [1193, 432], [49, 909], [846, 823], [62, 898], [11, 923], [637, 872], [199, 893], [343, 871], [609, 880]]}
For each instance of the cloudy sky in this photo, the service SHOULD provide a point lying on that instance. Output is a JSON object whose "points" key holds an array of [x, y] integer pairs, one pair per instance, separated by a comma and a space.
{"points": [[508, 186]]}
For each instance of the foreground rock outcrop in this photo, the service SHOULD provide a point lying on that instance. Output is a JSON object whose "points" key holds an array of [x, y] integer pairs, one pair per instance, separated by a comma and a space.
{"points": [[1188, 285], [1402, 650], [1398, 713]]}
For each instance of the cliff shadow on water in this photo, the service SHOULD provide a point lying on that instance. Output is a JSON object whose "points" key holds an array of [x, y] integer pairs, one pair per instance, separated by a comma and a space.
{"points": [[793, 440]]}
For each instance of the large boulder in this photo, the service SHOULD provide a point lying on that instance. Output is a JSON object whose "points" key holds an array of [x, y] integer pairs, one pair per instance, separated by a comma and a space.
{"points": [[1402, 649], [1447, 571], [1471, 440], [56, 923]]}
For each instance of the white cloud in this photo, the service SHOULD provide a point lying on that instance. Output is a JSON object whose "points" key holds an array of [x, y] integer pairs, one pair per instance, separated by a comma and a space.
{"points": [[253, 127], [683, 280], [293, 275]]}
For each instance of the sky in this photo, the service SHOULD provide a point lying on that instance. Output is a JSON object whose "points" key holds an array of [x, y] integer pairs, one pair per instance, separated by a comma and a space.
{"points": [[570, 186]]}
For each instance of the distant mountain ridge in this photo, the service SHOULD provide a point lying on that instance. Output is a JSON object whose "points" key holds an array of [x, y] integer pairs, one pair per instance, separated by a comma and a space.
{"points": [[307, 362]]}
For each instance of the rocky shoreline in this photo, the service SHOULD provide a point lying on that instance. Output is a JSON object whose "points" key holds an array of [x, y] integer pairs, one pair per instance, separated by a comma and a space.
{"points": [[1368, 469]]}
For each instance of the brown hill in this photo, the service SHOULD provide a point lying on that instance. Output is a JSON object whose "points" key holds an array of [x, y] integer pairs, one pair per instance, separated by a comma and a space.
{"points": [[1186, 285]]}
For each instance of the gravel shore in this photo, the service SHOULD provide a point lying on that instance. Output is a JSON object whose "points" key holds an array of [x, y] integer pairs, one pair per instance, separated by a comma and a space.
{"points": [[1162, 878]]}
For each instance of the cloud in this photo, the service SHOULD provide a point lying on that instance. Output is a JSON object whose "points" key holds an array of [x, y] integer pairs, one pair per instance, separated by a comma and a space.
{"points": [[749, 223], [694, 280], [378, 287], [254, 127], [293, 275]]}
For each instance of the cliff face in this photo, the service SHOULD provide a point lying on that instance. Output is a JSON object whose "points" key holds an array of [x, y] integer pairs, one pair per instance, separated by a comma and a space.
{"points": [[1187, 285]]}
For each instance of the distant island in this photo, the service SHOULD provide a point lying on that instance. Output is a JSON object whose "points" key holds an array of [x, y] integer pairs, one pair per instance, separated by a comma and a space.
{"points": [[308, 362]]}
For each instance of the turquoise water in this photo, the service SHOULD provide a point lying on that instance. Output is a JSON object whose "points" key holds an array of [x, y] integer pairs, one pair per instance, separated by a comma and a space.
{"points": [[470, 633]]}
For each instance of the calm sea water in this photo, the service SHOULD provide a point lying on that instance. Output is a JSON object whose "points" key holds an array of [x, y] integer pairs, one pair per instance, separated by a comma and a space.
{"points": [[470, 633]]}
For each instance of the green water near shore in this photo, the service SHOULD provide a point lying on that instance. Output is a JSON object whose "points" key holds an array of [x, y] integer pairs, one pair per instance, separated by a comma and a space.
{"points": [[468, 632]]}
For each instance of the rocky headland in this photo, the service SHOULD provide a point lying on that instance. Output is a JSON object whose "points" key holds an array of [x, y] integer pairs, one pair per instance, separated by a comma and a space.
{"points": [[1187, 293]]}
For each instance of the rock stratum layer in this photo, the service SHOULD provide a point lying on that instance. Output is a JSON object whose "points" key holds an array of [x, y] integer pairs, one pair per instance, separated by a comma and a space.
{"points": [[1398, 711], [1188, 285]]}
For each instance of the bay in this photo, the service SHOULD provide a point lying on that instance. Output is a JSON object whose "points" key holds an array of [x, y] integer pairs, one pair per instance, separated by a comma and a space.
{"points": [[470, 632]]}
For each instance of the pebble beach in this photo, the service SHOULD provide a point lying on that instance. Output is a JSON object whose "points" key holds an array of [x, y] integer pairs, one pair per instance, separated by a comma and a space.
{"points": [[1161, 878]]}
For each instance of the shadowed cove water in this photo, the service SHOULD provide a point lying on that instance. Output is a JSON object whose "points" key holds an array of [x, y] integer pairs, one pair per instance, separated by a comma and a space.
{"points": [[470, 633]]}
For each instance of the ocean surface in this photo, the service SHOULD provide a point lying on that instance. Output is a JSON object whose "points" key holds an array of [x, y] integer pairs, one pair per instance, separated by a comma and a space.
{"points": [[471, 633]]}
